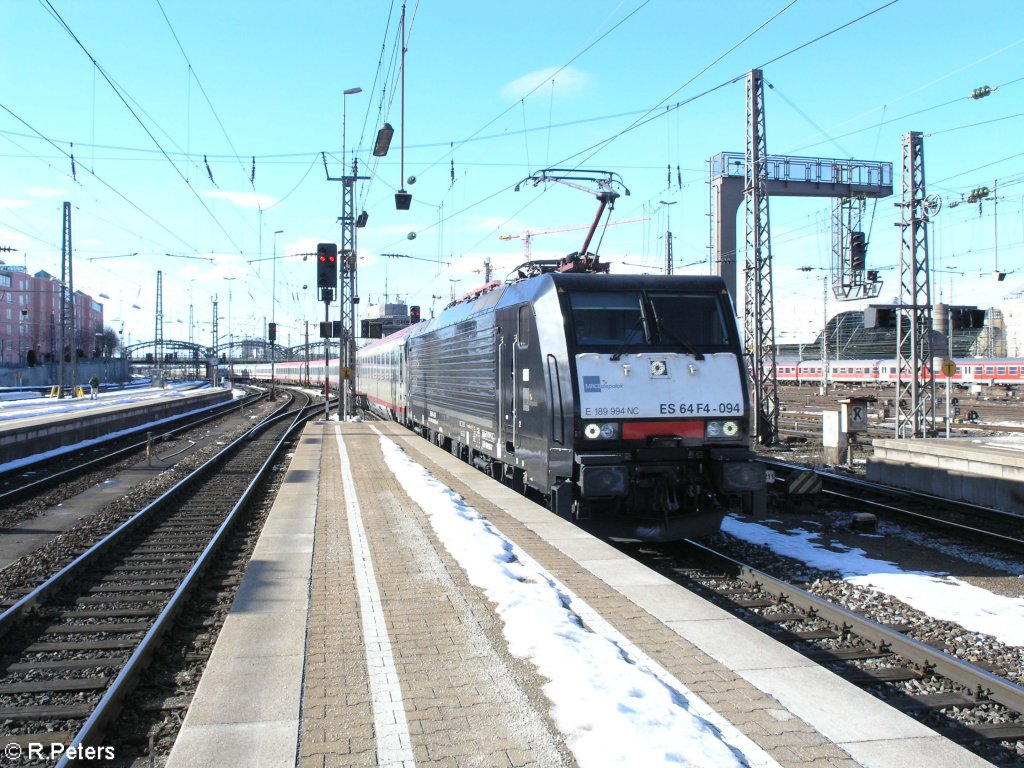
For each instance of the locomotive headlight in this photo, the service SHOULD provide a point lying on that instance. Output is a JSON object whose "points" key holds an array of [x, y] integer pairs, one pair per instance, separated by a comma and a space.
{"points": [[721, 429], [606, 431]]}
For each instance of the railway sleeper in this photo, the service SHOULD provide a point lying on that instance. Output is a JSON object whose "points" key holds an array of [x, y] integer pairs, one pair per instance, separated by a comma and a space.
{"points": [[991, 732], [836, 655], [63, 712], [864, 677], [783, 618], [90, 629], [98, 662], [921, 702], [118, 613], [25, 740], [82, 645], [55, 686]]}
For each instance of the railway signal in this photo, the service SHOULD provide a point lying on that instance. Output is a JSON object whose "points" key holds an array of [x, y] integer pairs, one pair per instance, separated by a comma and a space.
{"points": [[327, 265], [858, 251]]}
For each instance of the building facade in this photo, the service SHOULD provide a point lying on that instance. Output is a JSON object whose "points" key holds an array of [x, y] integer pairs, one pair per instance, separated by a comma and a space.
{"points": [[30, 319]]}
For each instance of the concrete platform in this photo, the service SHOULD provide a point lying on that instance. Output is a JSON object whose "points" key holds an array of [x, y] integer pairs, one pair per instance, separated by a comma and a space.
{"points": [[985, 471], [93, 419], [29, 535], [357, 638]]}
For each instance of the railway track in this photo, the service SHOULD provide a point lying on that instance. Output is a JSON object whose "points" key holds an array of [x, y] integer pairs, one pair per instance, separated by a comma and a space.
{"points": [[801, 409], [978, 708], [73, 647], [990, 527]]}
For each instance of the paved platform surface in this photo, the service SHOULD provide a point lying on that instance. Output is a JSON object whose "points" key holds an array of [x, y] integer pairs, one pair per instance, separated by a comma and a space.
{"points": [[357, 639]]}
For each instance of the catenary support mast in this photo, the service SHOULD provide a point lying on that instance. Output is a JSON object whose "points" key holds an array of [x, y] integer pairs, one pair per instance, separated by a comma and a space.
{"points": [[915, 414], [158, 327], [759, 315], [67, 301]]}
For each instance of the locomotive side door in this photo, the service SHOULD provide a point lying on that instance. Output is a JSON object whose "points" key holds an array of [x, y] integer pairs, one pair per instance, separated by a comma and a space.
{"points": [[508, 383], [510, 395]]}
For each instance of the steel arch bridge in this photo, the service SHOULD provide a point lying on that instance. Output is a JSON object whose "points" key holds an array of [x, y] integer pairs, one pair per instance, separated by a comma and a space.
{"points": [[239, 351]]}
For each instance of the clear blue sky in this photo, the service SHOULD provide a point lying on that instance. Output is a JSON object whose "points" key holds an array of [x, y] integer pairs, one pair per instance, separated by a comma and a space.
{"points": [[183, 95]]}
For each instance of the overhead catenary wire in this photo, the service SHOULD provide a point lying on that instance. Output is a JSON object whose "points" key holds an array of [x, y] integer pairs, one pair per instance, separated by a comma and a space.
{"points": [[122, 95], [209, 103], [101, 180]]}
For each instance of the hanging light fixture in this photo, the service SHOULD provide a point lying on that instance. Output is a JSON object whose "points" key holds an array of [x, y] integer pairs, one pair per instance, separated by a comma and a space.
{"points": [[383, 143]]}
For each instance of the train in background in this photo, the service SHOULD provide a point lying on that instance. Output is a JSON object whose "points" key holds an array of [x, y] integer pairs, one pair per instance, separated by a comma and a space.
{"points": [[970, 372], [620, 401]]}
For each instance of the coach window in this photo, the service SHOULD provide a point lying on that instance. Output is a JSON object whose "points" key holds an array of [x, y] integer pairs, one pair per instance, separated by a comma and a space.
{"points": [[1000, 371], [1013, 370], [523, 333]]}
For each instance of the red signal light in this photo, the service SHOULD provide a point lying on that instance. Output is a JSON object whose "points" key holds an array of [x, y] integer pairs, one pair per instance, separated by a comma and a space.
{"points": [[327, 265]]}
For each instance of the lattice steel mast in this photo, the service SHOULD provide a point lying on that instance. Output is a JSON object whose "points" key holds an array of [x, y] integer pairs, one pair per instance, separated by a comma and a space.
{"points": [[213, 343], [758, 315], [158, 327], [349, 290], [67, 302], [915, 415]]}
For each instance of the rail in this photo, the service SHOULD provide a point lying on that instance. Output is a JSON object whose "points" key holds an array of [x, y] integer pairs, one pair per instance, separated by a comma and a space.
{"points": [[970, 676]]}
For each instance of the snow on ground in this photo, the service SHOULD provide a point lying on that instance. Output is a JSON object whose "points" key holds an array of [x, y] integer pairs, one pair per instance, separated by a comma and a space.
{"points": [[936, 594], [11, 410], [30, 407], [615, 707]]}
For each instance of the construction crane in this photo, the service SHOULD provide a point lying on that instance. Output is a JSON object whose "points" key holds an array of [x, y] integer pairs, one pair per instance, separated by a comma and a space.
{"points": [[527, 235]]}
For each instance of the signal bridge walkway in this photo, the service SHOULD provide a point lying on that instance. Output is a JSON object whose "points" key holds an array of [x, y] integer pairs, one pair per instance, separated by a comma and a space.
{"points": [[403, 609]]}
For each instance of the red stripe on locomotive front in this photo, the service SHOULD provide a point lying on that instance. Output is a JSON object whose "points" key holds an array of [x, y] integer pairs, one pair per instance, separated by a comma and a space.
{"points": [[638, 430]]}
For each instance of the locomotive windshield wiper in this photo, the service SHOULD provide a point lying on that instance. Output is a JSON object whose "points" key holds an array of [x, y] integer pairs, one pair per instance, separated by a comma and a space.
{"points": [[627, 339], [665, 330]]}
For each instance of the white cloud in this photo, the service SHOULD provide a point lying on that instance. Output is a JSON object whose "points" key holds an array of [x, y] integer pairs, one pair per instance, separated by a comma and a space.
{"points": [[11, 204], [566, 80], [47, 192], [242, 199]]}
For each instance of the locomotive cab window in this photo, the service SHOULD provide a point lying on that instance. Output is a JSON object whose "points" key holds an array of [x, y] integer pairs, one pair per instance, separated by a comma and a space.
{"points": [[602, 319], [691, 319]]}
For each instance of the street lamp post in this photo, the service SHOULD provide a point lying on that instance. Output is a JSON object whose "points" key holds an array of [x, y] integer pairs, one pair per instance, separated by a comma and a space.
{"points": [[273, 318], [21, 335], [344, 109]]}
